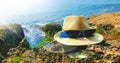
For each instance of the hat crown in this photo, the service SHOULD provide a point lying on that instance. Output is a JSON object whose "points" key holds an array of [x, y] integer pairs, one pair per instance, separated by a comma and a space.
{"points": [[75, 23]]}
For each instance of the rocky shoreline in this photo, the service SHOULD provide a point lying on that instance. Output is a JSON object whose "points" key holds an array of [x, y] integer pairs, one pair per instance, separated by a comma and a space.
{"points": [[106, 52]]}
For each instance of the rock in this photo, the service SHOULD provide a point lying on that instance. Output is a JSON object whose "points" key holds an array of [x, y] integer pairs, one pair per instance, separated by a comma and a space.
{"points": [[98, 50], [51, 28], [29, 53], [17, 52], [19, 49], [10, 36], [28, 57]]}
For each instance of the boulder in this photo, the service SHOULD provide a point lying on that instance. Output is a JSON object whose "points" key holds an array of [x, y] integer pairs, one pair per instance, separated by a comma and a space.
{"points": [[10, 36]]}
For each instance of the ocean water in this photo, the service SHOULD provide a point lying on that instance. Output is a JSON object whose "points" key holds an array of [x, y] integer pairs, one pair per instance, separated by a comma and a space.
{"points": [[33, 22]]}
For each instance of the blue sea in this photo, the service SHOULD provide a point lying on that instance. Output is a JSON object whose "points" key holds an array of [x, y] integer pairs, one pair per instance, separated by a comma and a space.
{"points": [[31, 23]]}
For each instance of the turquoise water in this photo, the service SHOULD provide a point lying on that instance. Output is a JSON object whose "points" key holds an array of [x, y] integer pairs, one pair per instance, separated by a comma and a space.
{"points": [[32, 22]]}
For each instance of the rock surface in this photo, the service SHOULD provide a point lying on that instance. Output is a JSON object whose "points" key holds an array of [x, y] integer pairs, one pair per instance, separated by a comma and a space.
{"points": [[99, 53], [10, 36]]}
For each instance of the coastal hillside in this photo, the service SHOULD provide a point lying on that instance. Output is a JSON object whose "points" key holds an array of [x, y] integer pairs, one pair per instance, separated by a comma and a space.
{"points": [[105, 52], [106, 18]]}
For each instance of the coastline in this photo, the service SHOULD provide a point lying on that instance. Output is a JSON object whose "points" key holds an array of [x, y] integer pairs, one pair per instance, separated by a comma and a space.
{"points": [[107, 51]]}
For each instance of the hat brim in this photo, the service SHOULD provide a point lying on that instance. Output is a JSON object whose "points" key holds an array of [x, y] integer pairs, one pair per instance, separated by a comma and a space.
{"points": [[79, 41]]}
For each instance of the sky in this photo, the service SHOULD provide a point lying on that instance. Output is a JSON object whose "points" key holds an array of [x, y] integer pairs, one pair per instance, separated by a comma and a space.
{"points": [[99, 1], [10, 8]]}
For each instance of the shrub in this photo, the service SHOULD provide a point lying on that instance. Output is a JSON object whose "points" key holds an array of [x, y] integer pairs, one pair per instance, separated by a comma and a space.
{"points": [[114, 32], [118, 33], [99, 29], [106, 29], [51, 28]]}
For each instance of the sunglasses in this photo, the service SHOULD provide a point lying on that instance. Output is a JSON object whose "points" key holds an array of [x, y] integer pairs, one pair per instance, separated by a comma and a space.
{"points": [[77, 33]]}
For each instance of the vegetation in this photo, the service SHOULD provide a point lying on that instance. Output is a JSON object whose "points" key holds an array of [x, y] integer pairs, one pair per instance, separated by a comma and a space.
{"points": [[107, 29], [16, 59], [52, 27], [49, 29]]}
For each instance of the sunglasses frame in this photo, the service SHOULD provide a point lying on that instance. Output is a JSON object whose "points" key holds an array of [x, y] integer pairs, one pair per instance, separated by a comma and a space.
{"points": [[79, 33]]}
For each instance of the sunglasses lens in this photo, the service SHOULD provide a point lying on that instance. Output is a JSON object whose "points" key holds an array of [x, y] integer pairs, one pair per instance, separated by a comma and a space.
{"points": [[72, 34], [89, 33]]}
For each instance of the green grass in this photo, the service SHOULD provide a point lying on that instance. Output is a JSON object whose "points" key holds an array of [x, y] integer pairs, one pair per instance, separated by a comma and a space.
{"points": [[16, 59], [45, 40]]}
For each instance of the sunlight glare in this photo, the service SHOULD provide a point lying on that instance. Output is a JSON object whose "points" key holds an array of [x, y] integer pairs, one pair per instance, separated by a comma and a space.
{"points": [[14, 8]]}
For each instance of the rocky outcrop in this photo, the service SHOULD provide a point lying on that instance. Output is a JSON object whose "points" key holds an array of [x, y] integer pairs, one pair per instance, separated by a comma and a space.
{"points": [[51, 28], [10, 36]]}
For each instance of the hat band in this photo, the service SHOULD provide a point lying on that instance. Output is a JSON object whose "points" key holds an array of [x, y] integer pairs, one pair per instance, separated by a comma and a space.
{"points": [[77, 33]]}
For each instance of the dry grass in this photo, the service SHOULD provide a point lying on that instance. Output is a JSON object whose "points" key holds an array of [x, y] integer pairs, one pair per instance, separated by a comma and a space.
{"points": [[111, 36], [106, 18]]}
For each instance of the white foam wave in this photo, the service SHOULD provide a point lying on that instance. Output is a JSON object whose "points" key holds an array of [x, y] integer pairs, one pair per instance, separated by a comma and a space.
{"points": [[33, 34]]}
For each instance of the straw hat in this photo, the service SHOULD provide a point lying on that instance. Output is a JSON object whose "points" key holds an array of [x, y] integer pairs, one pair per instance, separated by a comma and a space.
{"points": [[77, 23]]}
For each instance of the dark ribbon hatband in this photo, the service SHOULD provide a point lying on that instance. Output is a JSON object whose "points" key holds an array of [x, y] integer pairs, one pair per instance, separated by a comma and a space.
{"points": [[77, 33]]}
